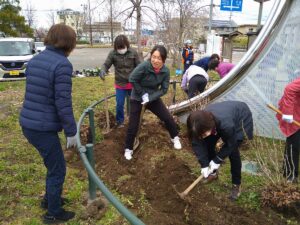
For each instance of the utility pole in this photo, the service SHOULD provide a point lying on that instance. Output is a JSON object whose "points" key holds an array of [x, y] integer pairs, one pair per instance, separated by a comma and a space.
{"points": [[210, 15], [261, 3], [90, 23]]}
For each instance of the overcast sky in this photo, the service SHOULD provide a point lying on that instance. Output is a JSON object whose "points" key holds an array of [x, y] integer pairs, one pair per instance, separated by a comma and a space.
{"points": [[248, 15]]}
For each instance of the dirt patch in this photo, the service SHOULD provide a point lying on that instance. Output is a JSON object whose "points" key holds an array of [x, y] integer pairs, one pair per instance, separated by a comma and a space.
{"points": [[150, 177]]}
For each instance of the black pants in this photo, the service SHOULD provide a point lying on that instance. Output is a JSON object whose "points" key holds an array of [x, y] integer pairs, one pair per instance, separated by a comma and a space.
{"points": [[234, 157], [158, 108], [291, 156], [197, 85]]}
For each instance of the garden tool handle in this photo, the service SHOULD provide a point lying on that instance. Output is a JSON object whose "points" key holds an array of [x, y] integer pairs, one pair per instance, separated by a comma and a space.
{"points": [[279, 112], [186, 191]]}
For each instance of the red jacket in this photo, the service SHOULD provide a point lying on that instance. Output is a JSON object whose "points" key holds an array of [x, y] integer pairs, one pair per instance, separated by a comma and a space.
{"points": [[289, 104]]}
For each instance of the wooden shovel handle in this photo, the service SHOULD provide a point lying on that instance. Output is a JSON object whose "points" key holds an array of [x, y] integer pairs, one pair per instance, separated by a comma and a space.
{"points": [[279, 112], [186, 191]]}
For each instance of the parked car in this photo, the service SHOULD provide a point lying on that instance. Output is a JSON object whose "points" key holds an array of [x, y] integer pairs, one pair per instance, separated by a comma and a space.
{"points": [[14, 56], [39, 46]]}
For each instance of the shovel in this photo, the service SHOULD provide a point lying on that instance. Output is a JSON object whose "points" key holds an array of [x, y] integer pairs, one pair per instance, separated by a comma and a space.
{"points": [[136, 140], [279, 112], [186, 191]]}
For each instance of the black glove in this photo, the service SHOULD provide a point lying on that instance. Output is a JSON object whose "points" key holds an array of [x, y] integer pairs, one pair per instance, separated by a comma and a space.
{"points": [[102, 74]]}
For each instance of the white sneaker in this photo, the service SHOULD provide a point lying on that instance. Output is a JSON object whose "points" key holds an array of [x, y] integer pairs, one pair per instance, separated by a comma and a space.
{"points": [[128, 154], [176, 141]]}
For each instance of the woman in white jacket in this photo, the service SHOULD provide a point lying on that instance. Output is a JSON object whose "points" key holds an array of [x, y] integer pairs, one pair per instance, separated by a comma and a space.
{"points": [[194, 80]]}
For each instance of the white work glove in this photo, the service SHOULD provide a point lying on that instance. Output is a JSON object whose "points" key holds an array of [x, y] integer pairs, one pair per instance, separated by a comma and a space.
{"points": [[187, 62], [71, 142], [145, 98], [287, 118], [205, 172], [213, 166]]}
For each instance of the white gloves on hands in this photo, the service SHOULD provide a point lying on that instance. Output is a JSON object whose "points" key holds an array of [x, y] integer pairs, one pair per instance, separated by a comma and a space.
{"points": [[213, 166], [71, 142], [187, 62], [205, 172], [287, 118], [145, 98]]}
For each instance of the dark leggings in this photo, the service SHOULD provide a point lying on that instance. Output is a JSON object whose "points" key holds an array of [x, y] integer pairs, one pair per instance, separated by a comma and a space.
{"points": [[291, 155], [234, 157], [158, 108], [197, 85]]}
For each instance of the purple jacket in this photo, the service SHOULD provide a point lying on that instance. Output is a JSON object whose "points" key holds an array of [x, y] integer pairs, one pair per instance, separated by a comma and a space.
{"points": [[224, 68]]}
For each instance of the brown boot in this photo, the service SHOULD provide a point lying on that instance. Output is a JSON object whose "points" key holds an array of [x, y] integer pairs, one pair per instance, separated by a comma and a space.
{"points": [[210, 178], [235, 192]]}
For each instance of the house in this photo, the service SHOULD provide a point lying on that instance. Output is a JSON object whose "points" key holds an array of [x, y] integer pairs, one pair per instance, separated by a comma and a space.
{"points": [[71, 18], [245, 28], [222, 26]]}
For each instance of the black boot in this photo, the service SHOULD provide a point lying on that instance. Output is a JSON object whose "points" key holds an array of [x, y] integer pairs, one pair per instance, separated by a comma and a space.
{"points": [[64, 216], [44, 202]]}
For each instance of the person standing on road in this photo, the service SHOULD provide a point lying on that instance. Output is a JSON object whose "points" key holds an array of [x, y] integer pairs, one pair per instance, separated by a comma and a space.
{"points": [[203, 62], [194, 80], [229, 120], [125, 59], [150, 81], [47, 109], [187, 55], [289, 105]]}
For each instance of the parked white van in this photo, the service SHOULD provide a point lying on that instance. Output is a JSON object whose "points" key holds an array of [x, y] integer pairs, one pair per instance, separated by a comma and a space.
{"points": [[14, 56]]}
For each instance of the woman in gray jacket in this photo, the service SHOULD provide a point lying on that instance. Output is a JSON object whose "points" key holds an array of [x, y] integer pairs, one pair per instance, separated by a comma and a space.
{"points": [[150, 81]]}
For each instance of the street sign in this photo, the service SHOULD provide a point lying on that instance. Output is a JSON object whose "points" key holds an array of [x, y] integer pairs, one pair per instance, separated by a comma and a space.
{"points": [[231, 5]]}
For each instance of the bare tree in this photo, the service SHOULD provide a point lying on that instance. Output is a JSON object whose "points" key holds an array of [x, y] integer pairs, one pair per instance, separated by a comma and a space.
{"points": [[41, 33], [137, 6], [30, 14], [51, 18], [181, 17]]}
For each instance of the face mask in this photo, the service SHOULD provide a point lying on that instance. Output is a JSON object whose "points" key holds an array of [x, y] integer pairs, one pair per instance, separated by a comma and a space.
{"points": [[122, 51]]}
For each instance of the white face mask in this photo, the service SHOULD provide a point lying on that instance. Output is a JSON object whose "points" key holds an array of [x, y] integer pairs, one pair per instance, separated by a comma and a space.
{"points": [[122, 51]]}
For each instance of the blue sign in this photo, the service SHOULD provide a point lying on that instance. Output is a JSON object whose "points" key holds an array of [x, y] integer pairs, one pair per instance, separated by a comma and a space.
{"points": [[231, 5]]}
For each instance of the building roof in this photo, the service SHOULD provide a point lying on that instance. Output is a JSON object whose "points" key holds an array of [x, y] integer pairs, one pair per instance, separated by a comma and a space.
{"points": [[222, 24], [229, 33]]}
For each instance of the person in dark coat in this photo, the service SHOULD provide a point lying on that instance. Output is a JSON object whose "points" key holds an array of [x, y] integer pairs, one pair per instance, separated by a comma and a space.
{"points": [[203, 62], [232, 122], [150, 81], [47, 110], [125, 59]]}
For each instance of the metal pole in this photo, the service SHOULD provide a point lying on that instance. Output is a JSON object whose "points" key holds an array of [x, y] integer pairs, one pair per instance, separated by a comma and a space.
{"points": [[260, 14], [92, 184], [92, 123], [210, 15]]}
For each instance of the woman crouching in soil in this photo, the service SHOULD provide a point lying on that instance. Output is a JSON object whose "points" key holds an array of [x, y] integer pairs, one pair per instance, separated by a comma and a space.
{"points": [[150, 81], [229, 120]]}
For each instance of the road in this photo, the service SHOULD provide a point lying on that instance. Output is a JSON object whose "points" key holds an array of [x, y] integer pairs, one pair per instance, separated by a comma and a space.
{"points": [[89, 58]]}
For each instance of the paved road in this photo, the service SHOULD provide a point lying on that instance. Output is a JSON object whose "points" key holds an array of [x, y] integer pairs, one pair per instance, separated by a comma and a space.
{"points": [[84, 58]]}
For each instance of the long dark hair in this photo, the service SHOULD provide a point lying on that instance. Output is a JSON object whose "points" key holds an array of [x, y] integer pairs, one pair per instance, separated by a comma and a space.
{"points": [[199, 122]]}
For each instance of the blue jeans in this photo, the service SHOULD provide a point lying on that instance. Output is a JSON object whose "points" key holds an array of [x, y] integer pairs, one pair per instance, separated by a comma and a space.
{"points": [[120, 98], [49, 147]]}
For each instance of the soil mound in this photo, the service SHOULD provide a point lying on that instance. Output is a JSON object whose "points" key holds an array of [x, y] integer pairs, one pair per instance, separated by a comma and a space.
{"points": [[150, 177]]}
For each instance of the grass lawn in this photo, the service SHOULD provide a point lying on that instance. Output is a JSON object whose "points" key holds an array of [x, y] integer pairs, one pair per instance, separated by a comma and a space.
{"points": [[22, 172]]}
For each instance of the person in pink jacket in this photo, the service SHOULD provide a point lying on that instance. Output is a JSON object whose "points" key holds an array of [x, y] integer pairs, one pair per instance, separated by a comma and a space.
{"points": [[222, 68], [289, 105]]}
